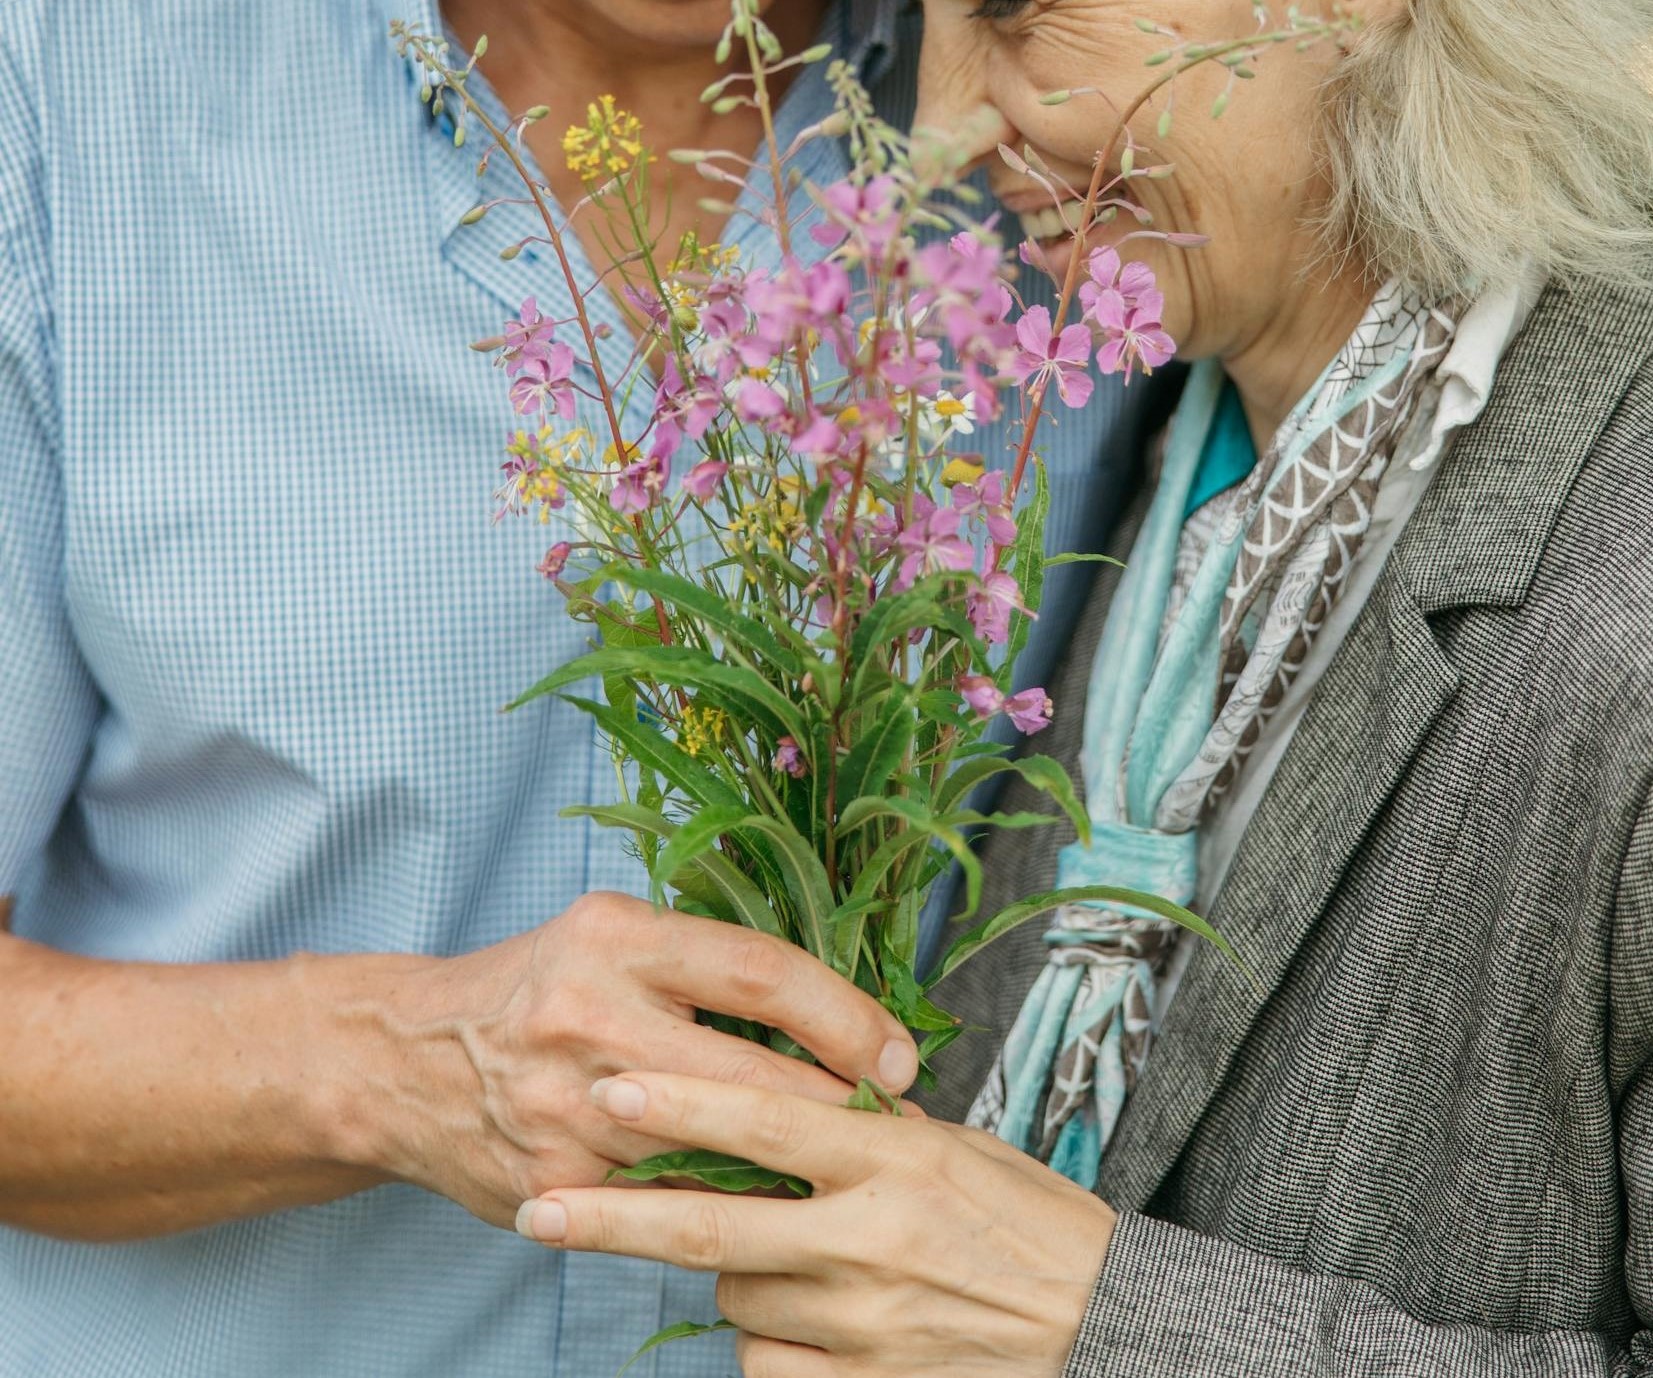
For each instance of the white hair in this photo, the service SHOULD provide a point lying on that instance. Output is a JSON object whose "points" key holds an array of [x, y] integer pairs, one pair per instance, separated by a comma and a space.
{"points": [[1468, 138]]}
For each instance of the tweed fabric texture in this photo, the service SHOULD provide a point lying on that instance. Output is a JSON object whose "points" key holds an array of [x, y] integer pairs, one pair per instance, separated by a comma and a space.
{"points": [[1424, 1148], [255, 628]]}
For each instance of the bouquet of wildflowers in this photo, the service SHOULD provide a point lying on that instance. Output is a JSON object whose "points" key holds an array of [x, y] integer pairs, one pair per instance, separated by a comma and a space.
{"points": [[806, 593]]}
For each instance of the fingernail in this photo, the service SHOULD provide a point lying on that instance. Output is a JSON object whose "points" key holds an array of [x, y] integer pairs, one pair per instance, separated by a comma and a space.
{"points": [[546, 1221], [625, 1100], [897, 1064]]}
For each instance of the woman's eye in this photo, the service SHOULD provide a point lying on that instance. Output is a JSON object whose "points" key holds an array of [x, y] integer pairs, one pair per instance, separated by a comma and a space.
{"points": [[999, 9]]}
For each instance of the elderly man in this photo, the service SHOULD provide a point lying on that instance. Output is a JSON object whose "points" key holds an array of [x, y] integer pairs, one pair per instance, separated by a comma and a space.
{"points": [[256, 628]]}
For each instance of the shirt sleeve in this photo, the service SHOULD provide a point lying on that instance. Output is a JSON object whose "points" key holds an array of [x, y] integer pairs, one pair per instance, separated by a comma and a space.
{"points": [[48, 702]]}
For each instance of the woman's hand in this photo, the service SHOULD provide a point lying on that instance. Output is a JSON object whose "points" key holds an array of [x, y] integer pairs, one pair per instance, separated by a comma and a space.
{"points": [[927, 1250]]}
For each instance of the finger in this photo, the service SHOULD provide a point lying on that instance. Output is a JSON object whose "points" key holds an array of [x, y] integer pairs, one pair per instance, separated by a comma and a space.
{"points": [[761, 1357], [689, 1229], [693, 1051], [779, 1306], [735, 971], [824, 1144]]}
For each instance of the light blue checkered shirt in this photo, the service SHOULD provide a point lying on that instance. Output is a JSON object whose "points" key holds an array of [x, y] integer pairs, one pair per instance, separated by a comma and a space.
{"points": [[255, 629]]}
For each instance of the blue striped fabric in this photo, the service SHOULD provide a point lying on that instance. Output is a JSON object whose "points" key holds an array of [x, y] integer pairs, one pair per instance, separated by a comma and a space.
{"points": [[256, 628]]}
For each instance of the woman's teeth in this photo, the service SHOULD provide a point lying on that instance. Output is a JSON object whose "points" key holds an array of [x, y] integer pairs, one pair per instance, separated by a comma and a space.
{"points": [[1050, 223]]}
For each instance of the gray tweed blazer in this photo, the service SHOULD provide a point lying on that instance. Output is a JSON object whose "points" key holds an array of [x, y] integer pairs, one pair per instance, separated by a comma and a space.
{"points": [[1426, 1147]]}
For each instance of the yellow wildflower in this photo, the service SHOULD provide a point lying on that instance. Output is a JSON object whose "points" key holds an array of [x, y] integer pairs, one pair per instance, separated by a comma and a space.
{"points": [[959, 471], [701, 730], [606, 146]]}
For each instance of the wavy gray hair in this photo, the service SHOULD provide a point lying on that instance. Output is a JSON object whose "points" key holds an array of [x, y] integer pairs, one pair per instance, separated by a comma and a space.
{"points": [[1469, 137]]}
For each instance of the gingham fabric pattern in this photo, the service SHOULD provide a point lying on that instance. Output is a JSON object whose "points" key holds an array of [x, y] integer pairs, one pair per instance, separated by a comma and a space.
{"points": [[256, 628], [1424, 1148]]}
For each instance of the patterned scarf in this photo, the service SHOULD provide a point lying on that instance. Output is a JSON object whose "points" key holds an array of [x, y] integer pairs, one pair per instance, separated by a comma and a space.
{"points": [[1209, 627]]}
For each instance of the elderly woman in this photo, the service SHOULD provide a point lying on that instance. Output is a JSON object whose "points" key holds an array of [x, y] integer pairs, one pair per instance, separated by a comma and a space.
{"points": [[1376, 691]]}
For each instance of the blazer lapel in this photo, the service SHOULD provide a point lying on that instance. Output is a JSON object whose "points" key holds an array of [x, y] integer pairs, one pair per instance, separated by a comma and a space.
{"points": [[1365, 723], [1477, 538]]}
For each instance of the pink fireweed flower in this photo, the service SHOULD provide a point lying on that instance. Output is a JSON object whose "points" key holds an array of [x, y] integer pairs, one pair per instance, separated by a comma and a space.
{"points": [[755, 400], [1049, 358], [962, 282], [639, 485], [533, 475], [681, 409], [819, 438], [1112, 281], [527, 337], [985, 501], [701, 482], [556, 560], [1029, 711], [789, 759], [932, 545], [544, 378], [868, 212], [981, 695], [793, 305], [1132, 336], [910, 367], [990, 604]]}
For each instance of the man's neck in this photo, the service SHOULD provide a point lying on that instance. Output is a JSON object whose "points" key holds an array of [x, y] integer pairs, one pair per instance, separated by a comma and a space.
{"points": [[563, 53], [566, 53]]}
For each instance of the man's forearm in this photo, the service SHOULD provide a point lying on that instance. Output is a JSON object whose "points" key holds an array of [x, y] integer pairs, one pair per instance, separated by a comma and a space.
{"points": [[141, 1098]]}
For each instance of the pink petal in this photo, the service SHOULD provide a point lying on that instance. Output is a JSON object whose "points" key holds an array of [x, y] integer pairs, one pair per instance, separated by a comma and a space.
{"points": [[1033, 330]]}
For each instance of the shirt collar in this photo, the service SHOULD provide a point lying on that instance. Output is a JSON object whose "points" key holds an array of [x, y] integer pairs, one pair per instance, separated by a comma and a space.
{"points": [[1467, 372]]}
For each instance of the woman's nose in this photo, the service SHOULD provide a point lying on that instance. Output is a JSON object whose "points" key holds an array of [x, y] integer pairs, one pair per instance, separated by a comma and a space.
{"points": [[954, 96]]}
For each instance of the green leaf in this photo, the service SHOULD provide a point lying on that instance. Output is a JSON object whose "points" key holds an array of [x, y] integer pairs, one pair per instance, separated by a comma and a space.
{"points": [[692, 840], [970, 818], [849, 918], [934, 1043], [806, 879], [879, 749], [714, 610], [914, 815], [743, 693], [1074, 557], [1027, 566], [683, 1330], [1044, 773], [651, 748], [894, 616], [749, 904], [1031, 908], [869, 1095], [718, 1170]]}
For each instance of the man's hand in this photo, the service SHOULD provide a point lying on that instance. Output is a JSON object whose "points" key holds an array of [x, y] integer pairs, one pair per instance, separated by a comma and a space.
{"points": [[483, 1090]]}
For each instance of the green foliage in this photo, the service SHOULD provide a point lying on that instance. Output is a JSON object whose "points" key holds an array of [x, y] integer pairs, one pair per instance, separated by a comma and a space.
{"points": [[682, 1330], [709, 1169]]}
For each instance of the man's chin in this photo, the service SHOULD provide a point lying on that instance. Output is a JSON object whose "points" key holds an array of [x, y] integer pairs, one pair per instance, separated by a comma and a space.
{"points": [[663, 23]]}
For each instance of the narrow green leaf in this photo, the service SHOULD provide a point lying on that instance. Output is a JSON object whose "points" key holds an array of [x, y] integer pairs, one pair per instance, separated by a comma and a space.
{"points": [[1031, 908], [710, 1169], [651, 748], [1074, 557], [1027, 567], [806, 879], [693, 839], [682, 1330], [744, 898], [742, 692], [914, 815], [879, 749], [714, 610], [894, 616], [1044, 773]]}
